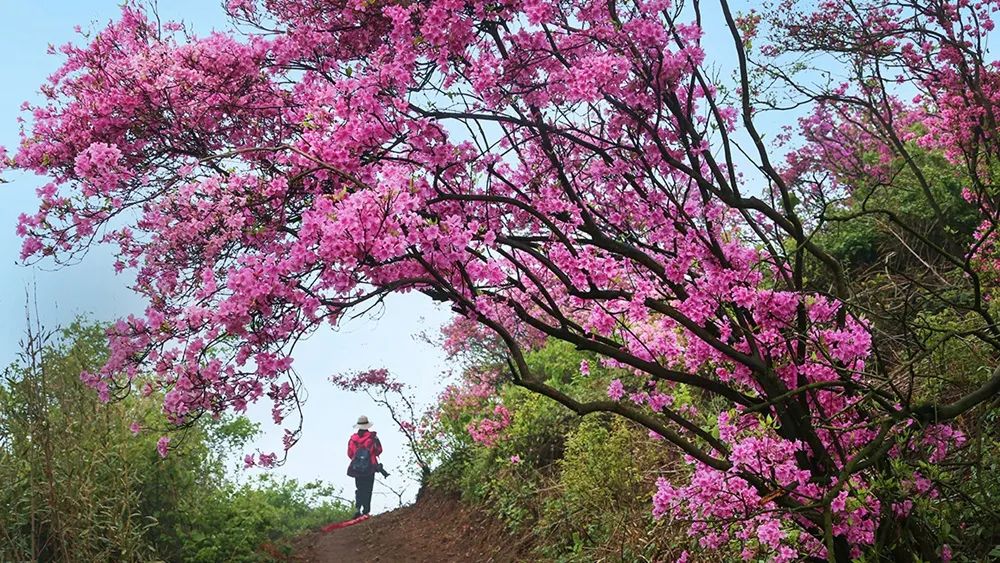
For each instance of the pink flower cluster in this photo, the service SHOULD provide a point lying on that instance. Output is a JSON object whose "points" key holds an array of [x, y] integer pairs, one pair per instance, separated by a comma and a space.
{"points": [[488, 430]]}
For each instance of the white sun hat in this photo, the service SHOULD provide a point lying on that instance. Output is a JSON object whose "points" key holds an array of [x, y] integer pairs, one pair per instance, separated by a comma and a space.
{"points": [[363, 423]]}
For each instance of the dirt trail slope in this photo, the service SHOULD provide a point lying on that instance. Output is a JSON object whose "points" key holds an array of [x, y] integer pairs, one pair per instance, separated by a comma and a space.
{"points": [[436, 528]]}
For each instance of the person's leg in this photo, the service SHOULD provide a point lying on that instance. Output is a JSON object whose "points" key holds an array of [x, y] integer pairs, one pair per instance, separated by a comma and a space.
{"points": [[359, 495], [365, 486]]}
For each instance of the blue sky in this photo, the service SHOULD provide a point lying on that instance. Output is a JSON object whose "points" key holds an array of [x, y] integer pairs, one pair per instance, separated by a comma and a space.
{"points": [[91, 287]]}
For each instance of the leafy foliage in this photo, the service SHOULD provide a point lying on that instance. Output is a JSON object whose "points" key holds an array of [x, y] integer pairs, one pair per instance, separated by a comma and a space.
{"points": [[580, 487], [79, 486]]}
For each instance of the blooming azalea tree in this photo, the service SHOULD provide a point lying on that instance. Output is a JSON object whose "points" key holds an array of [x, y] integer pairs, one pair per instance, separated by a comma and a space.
{"points": [[573, 170]]}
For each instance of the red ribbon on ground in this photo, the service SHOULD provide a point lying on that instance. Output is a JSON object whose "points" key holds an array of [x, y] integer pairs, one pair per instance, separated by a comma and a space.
{"points": [[339, 525]]}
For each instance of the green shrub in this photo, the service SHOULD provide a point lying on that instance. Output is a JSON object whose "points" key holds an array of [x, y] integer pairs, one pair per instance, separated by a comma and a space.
{"points": [[78, 486], [581, 487]]}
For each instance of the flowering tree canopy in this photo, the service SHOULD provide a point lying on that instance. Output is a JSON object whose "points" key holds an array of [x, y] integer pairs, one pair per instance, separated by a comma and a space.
{"points": [[576, 170]]}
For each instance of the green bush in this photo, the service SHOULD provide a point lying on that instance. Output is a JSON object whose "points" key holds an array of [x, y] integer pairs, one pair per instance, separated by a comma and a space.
{"points": [[78, 486], [234, 522], [581, 487]]}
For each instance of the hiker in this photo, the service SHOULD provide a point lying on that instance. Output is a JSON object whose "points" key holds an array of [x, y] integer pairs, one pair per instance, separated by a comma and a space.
{"points": [[364, 448]]}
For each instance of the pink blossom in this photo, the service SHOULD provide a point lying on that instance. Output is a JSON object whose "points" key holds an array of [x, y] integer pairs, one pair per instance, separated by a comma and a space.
{"points": [[616, 390], [163, 445], [267, 459], [770, 534], [487, 431]]}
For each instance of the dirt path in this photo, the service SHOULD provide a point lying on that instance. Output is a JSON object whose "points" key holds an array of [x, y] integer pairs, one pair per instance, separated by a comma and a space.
{"points": [[437, 528]]}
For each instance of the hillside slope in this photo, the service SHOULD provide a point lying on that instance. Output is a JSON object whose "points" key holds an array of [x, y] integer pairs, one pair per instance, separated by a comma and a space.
{"points": [[437, 528]]}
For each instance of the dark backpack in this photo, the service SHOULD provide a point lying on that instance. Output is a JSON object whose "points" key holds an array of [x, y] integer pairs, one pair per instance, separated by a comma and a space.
{"points": [[362, 464]]}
